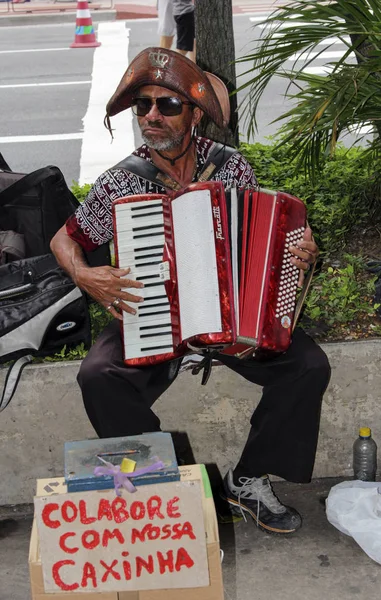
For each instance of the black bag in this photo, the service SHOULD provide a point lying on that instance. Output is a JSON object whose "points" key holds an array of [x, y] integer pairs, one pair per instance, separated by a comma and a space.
{"points": [[36, 206], [41, 309]]}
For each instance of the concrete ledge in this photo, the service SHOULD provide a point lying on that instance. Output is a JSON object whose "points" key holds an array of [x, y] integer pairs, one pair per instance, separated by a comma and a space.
{"points": [[47, 410], [48, 18], [135, 11]]}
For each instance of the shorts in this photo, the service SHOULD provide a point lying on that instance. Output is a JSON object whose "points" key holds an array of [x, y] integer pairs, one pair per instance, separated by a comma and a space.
{"points": [[167, 25], [185, 31]]}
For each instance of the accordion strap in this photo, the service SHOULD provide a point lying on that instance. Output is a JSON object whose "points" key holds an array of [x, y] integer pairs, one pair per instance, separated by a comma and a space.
{"points": [[143, 168], [137, 165], [218, 157]]}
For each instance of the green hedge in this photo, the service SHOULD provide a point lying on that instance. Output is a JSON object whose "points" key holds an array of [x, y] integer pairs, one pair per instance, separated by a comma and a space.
{"points": [[346, 195]]}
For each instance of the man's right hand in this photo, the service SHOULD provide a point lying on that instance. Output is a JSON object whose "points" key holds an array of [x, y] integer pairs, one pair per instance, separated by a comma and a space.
{"points": [[105, 284]]}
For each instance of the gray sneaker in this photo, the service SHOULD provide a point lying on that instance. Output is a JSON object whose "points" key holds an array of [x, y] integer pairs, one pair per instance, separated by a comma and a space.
{"points": [[255, 497]]}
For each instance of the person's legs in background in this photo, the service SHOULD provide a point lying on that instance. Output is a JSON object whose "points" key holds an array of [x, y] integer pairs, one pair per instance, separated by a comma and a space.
{"points": [[167, 26], [185, 30]]}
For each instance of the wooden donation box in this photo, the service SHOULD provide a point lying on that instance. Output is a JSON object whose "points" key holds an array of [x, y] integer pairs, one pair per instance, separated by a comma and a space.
{"points": [[154, 543]]}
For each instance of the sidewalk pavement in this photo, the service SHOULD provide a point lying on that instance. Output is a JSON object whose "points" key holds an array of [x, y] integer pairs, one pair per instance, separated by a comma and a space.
{"points": [[318, 562], [116, 9]]}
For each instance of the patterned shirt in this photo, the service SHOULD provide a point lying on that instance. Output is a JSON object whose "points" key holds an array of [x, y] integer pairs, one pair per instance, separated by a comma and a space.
{"points": [[91, 225]]}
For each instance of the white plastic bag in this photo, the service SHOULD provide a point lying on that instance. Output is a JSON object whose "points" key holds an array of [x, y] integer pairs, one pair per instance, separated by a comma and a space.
{"points": [[354, 507]]}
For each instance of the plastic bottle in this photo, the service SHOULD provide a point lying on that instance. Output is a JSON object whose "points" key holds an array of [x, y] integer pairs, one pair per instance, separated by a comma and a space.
{"points": [[365, 456]]}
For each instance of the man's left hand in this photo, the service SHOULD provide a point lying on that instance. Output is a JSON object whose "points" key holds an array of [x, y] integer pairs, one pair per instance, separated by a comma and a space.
{"points": [[305, 254]]}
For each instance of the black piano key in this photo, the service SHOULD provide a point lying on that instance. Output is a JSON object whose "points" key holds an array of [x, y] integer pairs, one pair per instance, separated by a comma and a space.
{"points": [[168, 348], [153, 335], [146, 235], [137, 216], [144, 227], [153, 255], [150, 306], [146, 327], [147, 285], [159, 247], [156, 313], [139, 264], [149, 206], [156, 298], [147, 277]]}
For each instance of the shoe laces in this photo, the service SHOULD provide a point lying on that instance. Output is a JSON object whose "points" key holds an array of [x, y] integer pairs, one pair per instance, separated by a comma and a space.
{"points": [[260, 490]]}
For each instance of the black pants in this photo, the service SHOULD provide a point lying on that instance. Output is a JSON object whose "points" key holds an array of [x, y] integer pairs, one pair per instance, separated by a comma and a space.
{"points": [[284, 426], [185, 31]]}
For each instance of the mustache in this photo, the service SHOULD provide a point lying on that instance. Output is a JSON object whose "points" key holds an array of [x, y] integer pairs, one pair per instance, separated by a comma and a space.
{"points": [[156, 124]]}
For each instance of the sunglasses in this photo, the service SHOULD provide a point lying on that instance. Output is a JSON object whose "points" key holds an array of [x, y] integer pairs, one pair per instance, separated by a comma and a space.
{"points": [[167, 106]]}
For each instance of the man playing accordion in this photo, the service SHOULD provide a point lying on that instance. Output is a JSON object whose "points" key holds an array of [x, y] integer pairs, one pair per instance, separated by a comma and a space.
{"points": [[169, 94]]}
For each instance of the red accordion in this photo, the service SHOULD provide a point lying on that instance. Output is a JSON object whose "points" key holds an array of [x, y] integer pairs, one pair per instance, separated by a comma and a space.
{"points": [[216, 270]]}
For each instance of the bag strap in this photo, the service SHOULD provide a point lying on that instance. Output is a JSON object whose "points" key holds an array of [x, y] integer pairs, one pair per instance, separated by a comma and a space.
{"points": [[12, 379], [218, 156], [3, 164], [27, 182], [25, 271]]}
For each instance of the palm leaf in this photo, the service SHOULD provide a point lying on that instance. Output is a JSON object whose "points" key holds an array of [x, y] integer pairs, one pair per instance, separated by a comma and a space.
{"points": [[323, 107]]}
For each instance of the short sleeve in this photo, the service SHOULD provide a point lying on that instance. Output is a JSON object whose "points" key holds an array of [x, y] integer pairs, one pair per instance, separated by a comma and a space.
{"points": [[91, 225]]}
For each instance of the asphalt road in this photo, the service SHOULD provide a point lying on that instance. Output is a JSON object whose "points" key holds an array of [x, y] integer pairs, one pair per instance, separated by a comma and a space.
{"points": [[45, 91]]}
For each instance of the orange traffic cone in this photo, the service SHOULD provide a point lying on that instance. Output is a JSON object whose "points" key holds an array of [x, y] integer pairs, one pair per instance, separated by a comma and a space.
{"points": [[84, 30]]}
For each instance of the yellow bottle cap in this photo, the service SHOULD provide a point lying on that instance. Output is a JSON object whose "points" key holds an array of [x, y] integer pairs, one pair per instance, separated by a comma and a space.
{"points": [[364, 432], [128, 465]]}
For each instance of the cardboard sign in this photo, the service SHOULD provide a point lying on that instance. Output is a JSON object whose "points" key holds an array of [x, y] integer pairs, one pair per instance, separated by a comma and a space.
{"points": [[98, 542]]}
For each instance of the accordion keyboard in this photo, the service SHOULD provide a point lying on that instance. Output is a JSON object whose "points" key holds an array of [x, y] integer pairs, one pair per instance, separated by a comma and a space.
{"points": [[140, 234]]}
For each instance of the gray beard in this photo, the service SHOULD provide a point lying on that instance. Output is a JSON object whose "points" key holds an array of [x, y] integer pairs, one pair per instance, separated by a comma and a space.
{"points": [[164, 144]]}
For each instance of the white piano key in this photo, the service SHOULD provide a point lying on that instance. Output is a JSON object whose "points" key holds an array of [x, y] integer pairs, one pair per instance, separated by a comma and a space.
{"points": [[146, 221], [136, 260], [145, 321], [147, 292]]}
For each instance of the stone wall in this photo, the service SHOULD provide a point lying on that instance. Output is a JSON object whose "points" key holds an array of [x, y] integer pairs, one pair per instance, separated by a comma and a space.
{"points": [[47, 410]]}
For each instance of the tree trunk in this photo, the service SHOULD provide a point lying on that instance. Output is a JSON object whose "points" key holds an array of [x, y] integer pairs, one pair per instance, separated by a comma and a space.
{"points": [[215, 52]]}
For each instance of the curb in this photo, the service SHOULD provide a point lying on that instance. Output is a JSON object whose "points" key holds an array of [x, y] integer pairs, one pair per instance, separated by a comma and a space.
{"points": [[51, 18], [123, 11], [119, 12]]}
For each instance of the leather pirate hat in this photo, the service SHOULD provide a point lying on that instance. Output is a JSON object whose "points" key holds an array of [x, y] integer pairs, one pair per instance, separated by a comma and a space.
{"points": [[168, 69]]}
